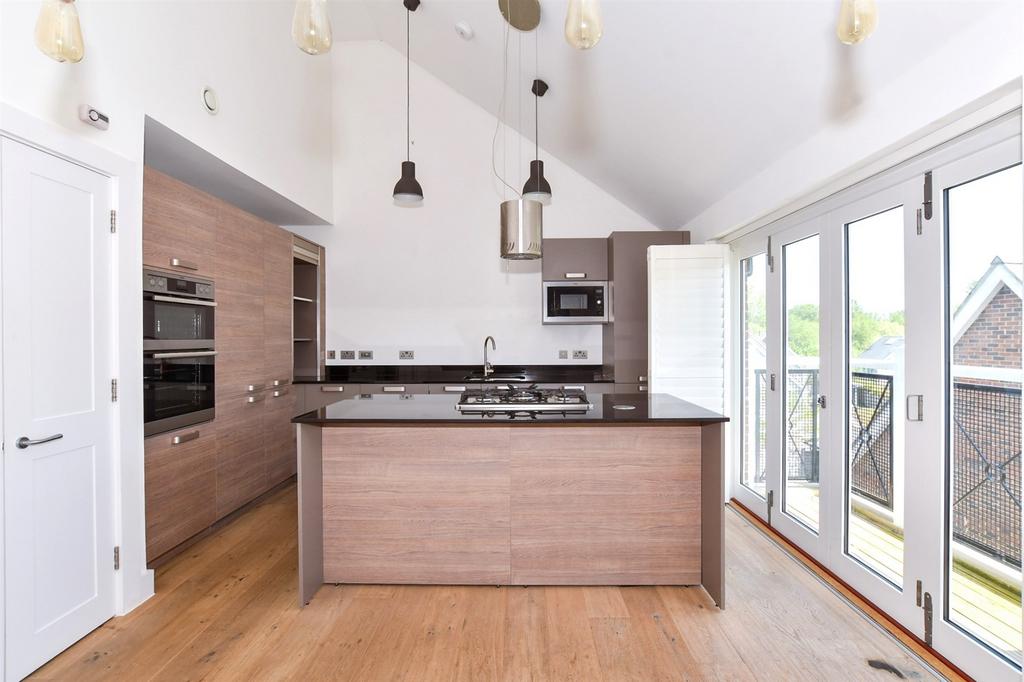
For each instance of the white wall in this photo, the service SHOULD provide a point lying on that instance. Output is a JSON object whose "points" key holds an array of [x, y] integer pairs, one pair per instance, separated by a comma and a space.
{"points": [[983, 59], [430, 279], [153, 58]]}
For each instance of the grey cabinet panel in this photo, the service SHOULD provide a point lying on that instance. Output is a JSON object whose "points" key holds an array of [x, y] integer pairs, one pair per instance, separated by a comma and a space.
{"points": [[625, 338], [396, 388], [322, 395], [575, 259]]}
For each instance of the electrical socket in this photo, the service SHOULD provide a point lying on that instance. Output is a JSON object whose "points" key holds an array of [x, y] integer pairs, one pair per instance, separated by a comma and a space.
{"points": [[346, 355], [579, 355], [366, 355], [406, 355], [563, 355], [331, 354]]}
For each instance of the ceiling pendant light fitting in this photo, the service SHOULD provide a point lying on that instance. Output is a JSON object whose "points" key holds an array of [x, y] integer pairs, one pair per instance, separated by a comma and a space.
{"points": [[408, 191], [522, 229], [537, 187]]}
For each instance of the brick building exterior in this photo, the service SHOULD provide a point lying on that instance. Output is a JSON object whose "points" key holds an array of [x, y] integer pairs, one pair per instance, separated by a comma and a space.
{"points": [[994, 338]]}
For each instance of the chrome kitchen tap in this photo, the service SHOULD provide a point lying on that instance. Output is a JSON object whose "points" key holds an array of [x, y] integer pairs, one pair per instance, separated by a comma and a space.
{"points": [[488, 370]]}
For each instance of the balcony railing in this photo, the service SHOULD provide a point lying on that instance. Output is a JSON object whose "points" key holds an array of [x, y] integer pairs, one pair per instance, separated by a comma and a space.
{"points": [[986, 450]]}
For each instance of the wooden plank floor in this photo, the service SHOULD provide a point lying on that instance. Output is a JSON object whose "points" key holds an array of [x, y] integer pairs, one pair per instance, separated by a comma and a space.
{"points": [[226, 610]]}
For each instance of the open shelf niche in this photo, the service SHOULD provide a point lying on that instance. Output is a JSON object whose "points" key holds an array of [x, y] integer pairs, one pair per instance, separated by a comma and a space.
{"points": [[306, 304]]}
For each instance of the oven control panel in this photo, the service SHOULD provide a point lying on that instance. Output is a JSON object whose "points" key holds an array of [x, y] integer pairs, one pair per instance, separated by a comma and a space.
{"points": [[161, 283]]}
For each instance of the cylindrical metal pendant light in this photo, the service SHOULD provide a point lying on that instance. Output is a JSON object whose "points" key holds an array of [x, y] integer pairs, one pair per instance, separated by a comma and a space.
{"points": [[522, 229]]}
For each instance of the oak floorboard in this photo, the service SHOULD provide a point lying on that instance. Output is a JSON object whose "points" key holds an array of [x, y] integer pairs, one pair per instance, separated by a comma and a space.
{"points": [[226, 609]]}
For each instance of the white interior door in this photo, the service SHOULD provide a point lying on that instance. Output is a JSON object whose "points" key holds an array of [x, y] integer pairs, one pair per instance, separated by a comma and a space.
{"points": [[57, 413]]}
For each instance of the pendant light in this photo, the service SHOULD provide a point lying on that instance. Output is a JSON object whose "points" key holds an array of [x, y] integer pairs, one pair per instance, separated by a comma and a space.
{"points": [[58, 31], [311, 27], [407, 190], [584, 25], [857, 21], [537, 187]]}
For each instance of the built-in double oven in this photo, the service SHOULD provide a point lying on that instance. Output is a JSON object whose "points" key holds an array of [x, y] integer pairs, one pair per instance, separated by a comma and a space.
{"points": [[178, 351]]}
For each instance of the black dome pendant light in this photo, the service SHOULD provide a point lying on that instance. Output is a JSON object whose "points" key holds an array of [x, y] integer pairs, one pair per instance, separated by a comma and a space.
{"points": [[537, 187], [407, 190]]}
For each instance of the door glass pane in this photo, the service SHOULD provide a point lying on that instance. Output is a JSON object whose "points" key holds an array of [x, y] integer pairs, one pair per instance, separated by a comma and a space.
{"points": [[985, 247], [875, 386], [801, 423], [755, 379]]}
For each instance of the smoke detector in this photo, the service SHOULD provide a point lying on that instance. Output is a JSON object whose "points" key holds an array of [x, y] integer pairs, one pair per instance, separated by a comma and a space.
{"points": [[464, 30]]}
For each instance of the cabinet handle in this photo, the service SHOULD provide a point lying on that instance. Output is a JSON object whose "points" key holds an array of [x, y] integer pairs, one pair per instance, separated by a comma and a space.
{"points": [[642, 388], [332, 389], [454, 389], [254, 399], [394, 389], [280, 382], [184, 301], [184, 438], [574, 388], [183, 264], [26, 442], [575, 275], [279, 393], [252, 388], [185, 354], [642, 379]]}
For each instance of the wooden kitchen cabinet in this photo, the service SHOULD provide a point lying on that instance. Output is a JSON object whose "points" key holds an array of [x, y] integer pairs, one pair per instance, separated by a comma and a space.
{"points": [[575, 259], [277, 305], [240, 302], [180, 476], [241, 456], [279, 434], [179, 226]]}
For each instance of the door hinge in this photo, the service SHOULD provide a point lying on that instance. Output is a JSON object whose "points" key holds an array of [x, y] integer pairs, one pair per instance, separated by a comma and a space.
{"points": [[928, 618], [927, 203], [113, 390], [113, 221], [771, 258], [117, 558], [821, 402], [920, 224]]}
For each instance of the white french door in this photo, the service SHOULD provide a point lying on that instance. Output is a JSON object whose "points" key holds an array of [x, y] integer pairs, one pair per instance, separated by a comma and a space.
{"points": [[879, 393], [57, 415], [798, 383]]}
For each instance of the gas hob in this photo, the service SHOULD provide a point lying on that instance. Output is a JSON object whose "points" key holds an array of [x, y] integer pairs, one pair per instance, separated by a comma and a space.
{"points": [[526, 401]]}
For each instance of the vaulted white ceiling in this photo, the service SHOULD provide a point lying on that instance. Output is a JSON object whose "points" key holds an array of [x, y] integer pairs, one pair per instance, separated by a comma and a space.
{"points": [[682, 100]]}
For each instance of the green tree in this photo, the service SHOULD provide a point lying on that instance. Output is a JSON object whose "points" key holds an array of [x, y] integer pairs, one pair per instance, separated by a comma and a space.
{"points": [[865, 328]]}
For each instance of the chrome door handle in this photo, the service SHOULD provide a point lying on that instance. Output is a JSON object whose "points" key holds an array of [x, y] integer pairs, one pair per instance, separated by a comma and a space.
{"points": [[25, 441], [184, 438], [454, 389], [574, 388], [183, 264], [394, 389], [254, 399], [184, 301], [332, 389], [186, 354], [280, 382], [575, 275], [278, 393], [253, 388]]}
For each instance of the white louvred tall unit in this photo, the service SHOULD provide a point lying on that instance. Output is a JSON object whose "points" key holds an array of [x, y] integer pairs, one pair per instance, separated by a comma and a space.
{"points": [[688, 339]]}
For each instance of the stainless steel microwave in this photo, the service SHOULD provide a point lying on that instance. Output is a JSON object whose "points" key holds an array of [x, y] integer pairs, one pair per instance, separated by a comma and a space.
{"points": [[575, 302]]}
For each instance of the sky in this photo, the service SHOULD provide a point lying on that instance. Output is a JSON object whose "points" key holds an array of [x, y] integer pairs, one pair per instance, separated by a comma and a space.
{"points": [[986, 219]]}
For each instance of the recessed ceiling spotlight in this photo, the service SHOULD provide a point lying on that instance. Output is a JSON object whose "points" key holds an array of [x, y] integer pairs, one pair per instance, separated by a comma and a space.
{"points": [[464, 30]]}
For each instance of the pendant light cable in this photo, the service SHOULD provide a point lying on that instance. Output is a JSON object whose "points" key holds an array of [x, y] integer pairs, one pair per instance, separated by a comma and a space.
{"points": [[408, 86], [501, 114]]}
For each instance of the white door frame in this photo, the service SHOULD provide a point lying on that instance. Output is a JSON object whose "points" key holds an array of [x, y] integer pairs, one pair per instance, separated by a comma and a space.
{"points": [[134, 582]]}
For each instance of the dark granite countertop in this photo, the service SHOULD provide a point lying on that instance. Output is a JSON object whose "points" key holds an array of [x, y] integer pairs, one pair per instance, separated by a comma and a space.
{"points": [[397, 410], [440, 374]]}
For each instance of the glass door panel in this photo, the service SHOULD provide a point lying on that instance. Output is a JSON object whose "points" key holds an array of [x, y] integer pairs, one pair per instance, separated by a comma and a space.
{"points": [[801, 426], [876, 368], [753, 370], [985, 247]]}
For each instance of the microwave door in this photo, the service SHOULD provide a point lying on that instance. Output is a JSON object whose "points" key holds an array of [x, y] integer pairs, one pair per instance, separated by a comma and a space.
{"points": [[575, 303]]}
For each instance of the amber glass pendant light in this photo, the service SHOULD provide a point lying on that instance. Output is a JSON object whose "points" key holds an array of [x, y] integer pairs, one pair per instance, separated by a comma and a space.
{"points": [[58, 31]]}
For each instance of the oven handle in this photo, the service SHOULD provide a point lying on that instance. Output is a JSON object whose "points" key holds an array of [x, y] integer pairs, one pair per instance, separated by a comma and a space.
{"points": [[184, 301], [185, 354]]}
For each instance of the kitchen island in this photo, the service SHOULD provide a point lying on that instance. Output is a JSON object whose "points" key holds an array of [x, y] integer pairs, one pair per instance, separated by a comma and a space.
{"points": [[406, 489]]}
